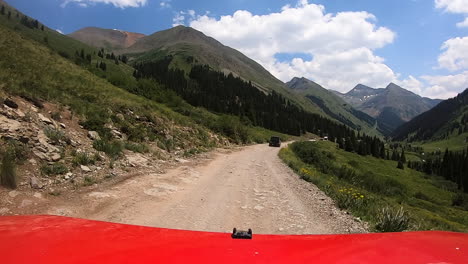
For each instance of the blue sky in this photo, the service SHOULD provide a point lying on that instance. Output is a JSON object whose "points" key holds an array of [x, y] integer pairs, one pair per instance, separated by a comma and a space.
{"points": [[371, 42]]}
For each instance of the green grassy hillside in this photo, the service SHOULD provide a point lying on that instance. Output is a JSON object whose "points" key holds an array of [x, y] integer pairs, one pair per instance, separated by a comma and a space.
{"points": [[30, 69], [34, 71], [364, 185], [446, 123], [54, 70]]}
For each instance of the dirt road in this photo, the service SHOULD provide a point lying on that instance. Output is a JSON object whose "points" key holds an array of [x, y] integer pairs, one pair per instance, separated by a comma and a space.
{"points": [[245, 188]]}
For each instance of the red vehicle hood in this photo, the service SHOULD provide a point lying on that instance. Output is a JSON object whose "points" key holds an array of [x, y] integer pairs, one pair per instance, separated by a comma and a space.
{"points": [[55, 239]]}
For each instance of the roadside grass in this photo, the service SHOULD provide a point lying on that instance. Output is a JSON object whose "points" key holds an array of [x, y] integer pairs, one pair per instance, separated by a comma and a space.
{"points": [[365, 185], [84, 158], [54, 169], [89, 180], [135, 147]]}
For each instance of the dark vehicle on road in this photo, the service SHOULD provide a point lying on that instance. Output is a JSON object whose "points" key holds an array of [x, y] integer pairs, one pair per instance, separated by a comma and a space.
{"points": [[275, 142]]}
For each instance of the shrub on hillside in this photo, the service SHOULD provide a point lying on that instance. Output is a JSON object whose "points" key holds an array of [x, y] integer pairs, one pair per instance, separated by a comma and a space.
{"points": [[381, 184], [54, 169], [232, 128], [8, 171], [460, 199], [83, 158], [55, 135], [112, 148], [18, 150], [350, 198], [140, 148], [310, 153], [400, 165], [392, 220], [96, 121]]}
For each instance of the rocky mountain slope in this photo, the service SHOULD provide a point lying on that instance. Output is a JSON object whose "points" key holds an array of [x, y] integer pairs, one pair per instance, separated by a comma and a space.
{"points": [[390, 106], [106, 38], [333, 105]]}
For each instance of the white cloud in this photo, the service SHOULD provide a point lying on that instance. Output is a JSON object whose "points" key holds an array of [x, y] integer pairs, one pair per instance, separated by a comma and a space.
{"points": [[454, 58], [116, 3], [178, 19], [412, 84], [446, 86], [454, 6], [165, 4], [341, 45], [462, 24], [455, 55]]}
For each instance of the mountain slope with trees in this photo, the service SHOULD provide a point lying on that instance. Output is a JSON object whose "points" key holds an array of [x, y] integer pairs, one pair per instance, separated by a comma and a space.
{"points": [[333, 105], [450, 117]]}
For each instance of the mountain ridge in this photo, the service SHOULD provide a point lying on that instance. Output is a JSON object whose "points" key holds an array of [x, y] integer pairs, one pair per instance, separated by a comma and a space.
{"points": [[106, 38], [390, 106], [333, 105]]}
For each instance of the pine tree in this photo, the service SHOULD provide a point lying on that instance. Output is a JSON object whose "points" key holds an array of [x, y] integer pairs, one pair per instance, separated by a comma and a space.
{"points": [[400, 165], [103, 66], [42, 27], [9, 14], [340, 143], [3, 10], [402, 157], [382, 151], [394, 155], [124, 59]]}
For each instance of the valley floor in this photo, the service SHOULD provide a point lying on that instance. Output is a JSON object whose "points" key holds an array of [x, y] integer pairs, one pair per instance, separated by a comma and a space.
{"points": [[248, 187]]}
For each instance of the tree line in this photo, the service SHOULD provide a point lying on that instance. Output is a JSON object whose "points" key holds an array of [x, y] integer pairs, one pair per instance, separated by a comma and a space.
{"points": [[111, 56], [453, 166]]}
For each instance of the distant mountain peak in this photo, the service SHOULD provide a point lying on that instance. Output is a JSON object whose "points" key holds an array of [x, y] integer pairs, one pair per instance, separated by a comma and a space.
{"points": [[302, 83], [394, 86], [391, 106], [362, 90]]}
